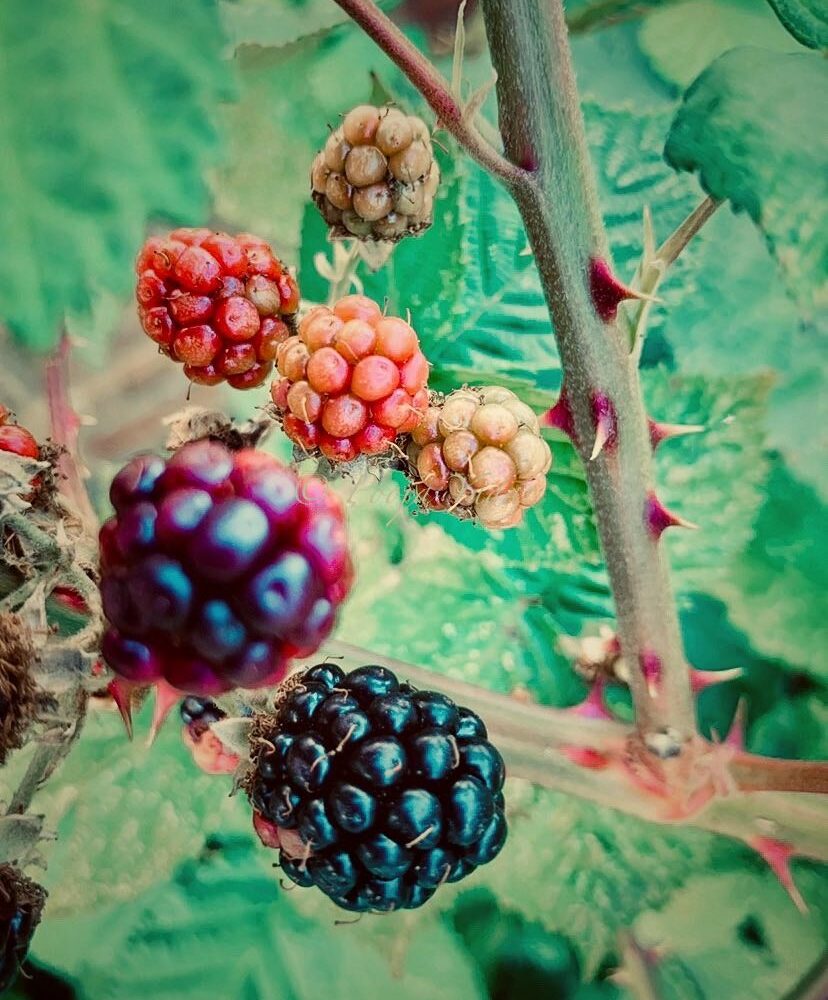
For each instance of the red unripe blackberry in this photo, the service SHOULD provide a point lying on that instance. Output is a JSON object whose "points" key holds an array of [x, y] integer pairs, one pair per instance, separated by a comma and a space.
{"points": [[201, 294], [358, 377], [478, 453], [376, 177], [218, 567]]}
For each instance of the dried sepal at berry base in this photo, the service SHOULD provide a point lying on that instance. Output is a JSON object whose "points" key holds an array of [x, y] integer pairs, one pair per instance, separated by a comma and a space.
{"points": [[478, 453], [377, 177], [352, 381], [21, 906], [372, 791], [217, 568], [218, 304]]}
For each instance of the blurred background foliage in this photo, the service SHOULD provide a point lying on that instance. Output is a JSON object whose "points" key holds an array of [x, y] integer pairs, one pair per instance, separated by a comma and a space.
{"points": [[117, 116]]}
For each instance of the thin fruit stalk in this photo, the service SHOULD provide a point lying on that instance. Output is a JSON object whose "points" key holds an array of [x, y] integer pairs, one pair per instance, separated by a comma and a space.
{"points": [[543, 133]]}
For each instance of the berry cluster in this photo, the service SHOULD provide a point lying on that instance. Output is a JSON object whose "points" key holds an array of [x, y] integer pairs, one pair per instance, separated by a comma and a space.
{"points": [[21, 903], [392, 791], [376, 177], [479, 453], [219, 304], [15, 439], [352, 380], [218, 567]]}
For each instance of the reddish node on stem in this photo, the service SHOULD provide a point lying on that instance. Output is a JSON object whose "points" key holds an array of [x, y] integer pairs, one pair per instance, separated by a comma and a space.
{"points": [[166, 697], [592, 707], [560, 416], [700, 680], [658, 518], [606, 424], [651, 668], [121, 693], [607, 291], [662, 432], [777, 854]]}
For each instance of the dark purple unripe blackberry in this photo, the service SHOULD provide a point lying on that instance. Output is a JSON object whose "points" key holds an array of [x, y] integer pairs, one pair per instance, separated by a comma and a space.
{"points": [[217, 568], [194, 709], [375, 792]]}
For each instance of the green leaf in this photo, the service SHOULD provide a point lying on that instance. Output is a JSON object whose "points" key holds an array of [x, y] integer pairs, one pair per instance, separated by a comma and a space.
{"points": [[737, 935], [222, 927], [807, 20], [680, 40], [775, 590], [748, 126], [105, 122], [794, 728]]}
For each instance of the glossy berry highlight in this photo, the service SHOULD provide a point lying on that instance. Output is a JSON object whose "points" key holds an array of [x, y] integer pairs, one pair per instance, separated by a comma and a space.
{"points": [[220, 305], [352, 380], [478, 454], [218, 567], [376, 177], [373, 791]]}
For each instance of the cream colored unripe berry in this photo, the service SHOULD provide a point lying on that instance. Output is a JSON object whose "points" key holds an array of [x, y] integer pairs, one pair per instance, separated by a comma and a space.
{"points": [[360, 125], [365, 165], [457, 413], [498, 511], [372, 202], [391, 227], [394, 132], [412, 163], [529, 454], [458, 448], [494, 424], [338, 191], [426, 430], [409, 199], [319, 175], [335, 152], [530, 491], [419, 129], [461, 492], [492, 470], [356, 224], [525, 415], [496, 394], [431, 467], [432, 182]]}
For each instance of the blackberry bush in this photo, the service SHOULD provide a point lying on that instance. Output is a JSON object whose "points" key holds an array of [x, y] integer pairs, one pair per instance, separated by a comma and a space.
{"points": [[352, 380], [219, 304], [376, 177], [375, 792], [478, 453], [218, 567]]}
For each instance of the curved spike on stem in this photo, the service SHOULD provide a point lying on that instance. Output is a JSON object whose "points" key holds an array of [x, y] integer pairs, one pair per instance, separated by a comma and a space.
{"points": [[700, 680], [777, 854], [664, 432], [659, 518], [560, 416], [606, 424], [121, 691], [608, 292]]}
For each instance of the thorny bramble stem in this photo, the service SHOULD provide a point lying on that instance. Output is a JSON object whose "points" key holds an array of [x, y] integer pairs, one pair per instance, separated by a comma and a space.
{"points": [[551, 180]]}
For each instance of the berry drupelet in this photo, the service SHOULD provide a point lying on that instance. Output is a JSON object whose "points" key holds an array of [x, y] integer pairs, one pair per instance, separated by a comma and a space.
{"points": [[218, 567], [479, 454], [219, 304], [375, 792], [376, 177], [351, 381]]}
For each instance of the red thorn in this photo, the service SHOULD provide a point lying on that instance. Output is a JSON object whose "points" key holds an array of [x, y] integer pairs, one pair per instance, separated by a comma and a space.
{"points": [[651, 668], [777, 854], [659, 518], [121, 693], [166, 696], [736, 734], [606, 423], [700, 680], [560, 416], [607, 291], [593, 706], [662, 432]]}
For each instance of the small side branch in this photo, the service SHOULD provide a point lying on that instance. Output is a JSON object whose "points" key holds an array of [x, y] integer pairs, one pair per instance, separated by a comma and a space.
{"points": [[670, 249], [431, 84]]}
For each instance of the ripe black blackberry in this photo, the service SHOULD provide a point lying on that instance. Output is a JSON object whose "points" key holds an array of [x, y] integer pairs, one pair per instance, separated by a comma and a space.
{"points": [[387, 791]]}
